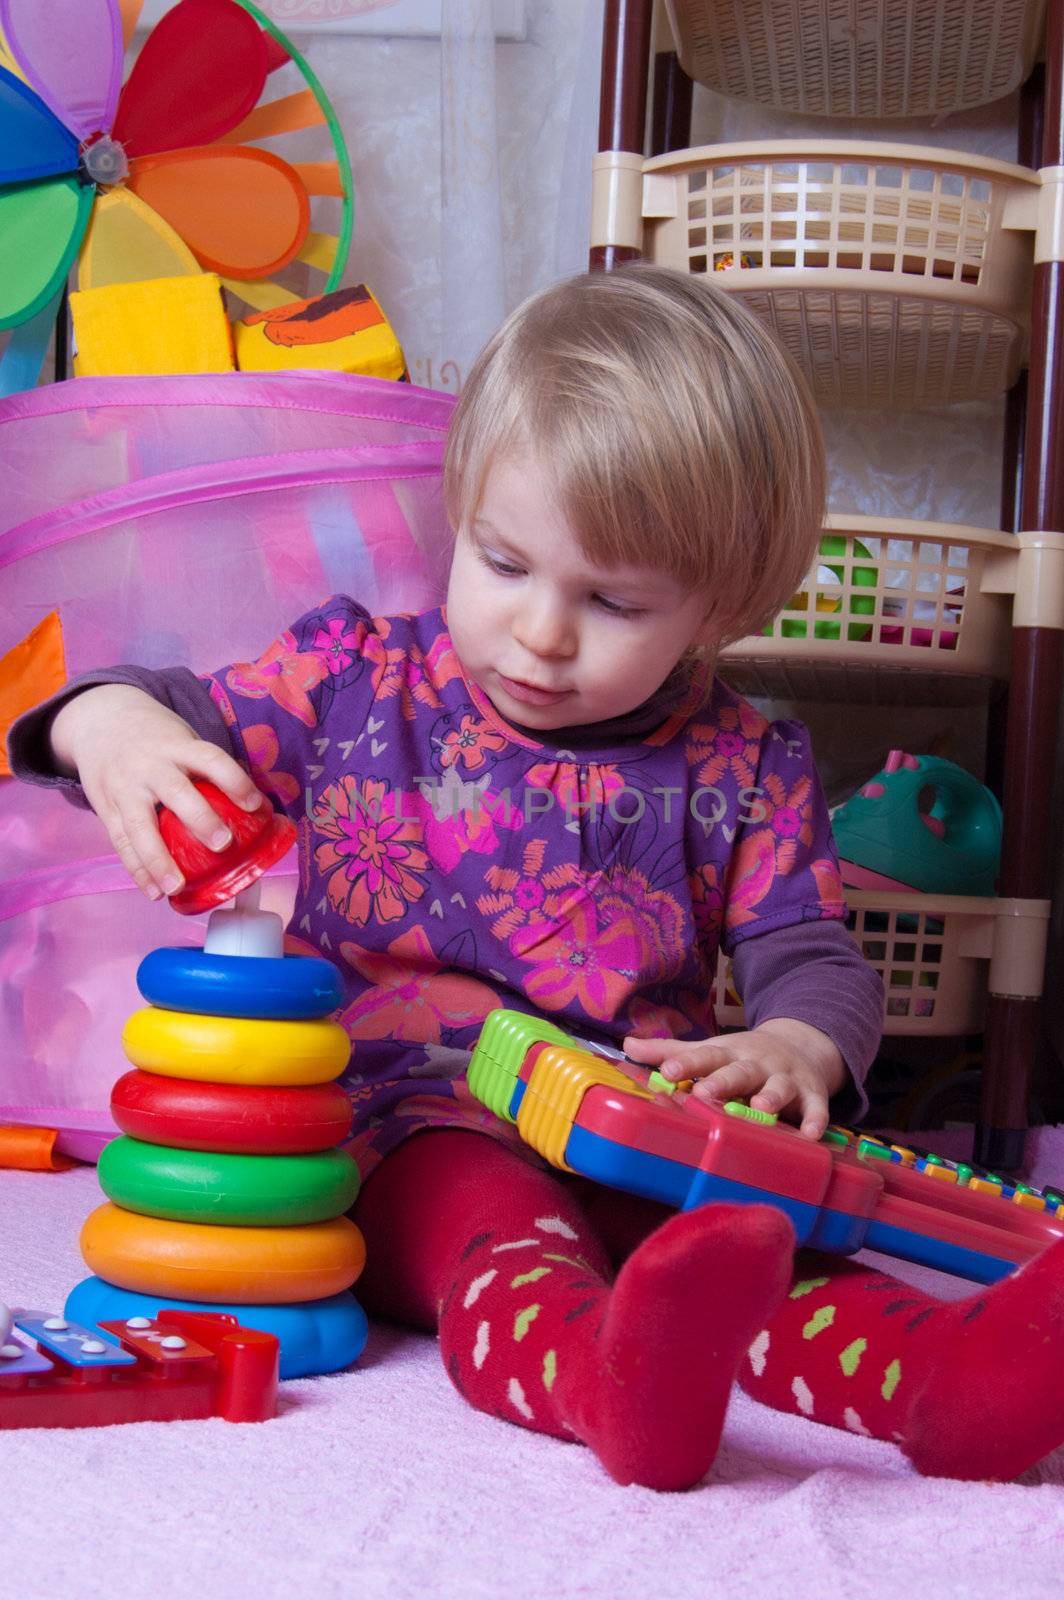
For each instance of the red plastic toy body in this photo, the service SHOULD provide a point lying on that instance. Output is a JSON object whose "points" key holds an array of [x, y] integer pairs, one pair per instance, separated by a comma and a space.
{"points": [[174, 1367], [613, 1121]]}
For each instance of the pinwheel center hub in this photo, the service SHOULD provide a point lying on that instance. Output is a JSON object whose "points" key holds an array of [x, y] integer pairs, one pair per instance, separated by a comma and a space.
{"points": [[104, 161]]}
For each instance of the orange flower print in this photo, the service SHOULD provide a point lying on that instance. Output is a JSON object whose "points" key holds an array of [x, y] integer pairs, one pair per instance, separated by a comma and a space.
{"points": [[260, 741], [585, 961], [732, 746], [284, 675], [579, 791], [529, 895], [413, 996], [373, 856], [790, 816], [467, 747]]}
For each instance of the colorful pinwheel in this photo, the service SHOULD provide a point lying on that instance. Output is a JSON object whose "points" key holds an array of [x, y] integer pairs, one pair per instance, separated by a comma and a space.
{"points": [[156, 178]]}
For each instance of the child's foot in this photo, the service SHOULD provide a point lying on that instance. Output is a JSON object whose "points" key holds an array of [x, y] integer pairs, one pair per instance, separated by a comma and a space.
{"points": [[650, 1395], [991, 1400]]}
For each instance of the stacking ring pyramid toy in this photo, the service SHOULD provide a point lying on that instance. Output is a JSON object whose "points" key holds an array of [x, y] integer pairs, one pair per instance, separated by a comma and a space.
{"points": [[227, 1190]]}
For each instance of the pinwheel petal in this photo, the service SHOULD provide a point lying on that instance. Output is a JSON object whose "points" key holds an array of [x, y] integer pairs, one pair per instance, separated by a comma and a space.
{"points": [[127, 241], [41, 225], [33, 143], [70, 52], [202, 69], [243, 213]]}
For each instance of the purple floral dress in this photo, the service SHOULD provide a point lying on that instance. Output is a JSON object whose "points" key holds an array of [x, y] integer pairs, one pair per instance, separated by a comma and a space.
{"points": [[451, 863]]}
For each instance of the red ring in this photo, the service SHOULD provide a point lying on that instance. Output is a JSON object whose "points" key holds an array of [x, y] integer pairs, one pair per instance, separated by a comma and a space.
{"points": [[231, 1117]]}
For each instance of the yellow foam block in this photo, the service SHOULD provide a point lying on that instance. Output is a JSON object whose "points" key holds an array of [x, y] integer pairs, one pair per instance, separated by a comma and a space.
{"points": [[157, 326], [345, 331]]}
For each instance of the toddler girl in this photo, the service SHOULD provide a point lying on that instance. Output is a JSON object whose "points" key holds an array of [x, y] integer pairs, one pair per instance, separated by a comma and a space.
{"points": [[541, 796]]}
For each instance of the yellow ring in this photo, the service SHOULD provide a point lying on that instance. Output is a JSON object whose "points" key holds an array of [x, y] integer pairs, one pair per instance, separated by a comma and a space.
{"points": [[201, 1261], [248, 1050]]}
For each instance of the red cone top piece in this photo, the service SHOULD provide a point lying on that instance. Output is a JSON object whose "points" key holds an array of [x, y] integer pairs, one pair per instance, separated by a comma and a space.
{"points": [[214, 876]]}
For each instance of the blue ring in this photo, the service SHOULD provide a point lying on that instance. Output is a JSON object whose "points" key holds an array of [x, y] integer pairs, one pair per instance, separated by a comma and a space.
{"points": [[272, 988], [316, 1336]]}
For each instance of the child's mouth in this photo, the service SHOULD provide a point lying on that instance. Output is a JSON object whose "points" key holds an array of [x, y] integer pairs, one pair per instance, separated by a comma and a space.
{"points": [[529, 694]]}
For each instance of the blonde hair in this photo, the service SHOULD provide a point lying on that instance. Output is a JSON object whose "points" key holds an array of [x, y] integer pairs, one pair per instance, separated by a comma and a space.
{"points": [[671, 429]]}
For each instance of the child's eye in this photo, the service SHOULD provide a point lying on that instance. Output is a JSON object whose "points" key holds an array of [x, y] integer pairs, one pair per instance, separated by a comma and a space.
{"points": [[505, 569], [616, 608]]}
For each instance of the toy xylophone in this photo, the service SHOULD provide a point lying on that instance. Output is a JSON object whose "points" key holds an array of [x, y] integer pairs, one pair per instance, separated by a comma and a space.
{"points": [[178, 1365], [619, 1124]]}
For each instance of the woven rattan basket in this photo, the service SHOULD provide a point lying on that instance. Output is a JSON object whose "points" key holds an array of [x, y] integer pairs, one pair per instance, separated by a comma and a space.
{"points": [[932, 954], [895, 275], [859, 58], [896, 612]]}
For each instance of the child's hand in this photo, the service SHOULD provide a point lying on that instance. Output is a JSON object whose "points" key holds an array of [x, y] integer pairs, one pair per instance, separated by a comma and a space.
{"points": [[131, 754], [784, 1066]]}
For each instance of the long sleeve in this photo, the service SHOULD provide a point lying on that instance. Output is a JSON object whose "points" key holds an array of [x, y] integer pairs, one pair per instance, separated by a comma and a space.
{"points": [[813, 972], [175, 687]]}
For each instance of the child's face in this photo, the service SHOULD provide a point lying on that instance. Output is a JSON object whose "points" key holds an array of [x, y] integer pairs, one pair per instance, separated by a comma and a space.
{"points": [[553, 640]]}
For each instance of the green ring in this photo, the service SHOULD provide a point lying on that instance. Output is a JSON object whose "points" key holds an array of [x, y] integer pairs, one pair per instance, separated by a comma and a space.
{"points": [[343, 160], [240, 1190]]}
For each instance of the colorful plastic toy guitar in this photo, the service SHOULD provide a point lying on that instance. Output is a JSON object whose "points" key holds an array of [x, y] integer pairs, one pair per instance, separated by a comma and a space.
{"points": [[616, 1123], [176, 1366]]}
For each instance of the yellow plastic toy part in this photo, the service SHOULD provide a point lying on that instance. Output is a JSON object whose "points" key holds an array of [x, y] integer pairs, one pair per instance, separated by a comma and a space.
{"points": [[560, 1078], [161, 326], [127, 242], [205, 1261], [246, 1050], [345, 331]]}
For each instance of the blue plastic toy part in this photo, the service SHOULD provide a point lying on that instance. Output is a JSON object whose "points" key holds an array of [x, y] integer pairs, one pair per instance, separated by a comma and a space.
{"points": [[273, 988], [316, 1336]]}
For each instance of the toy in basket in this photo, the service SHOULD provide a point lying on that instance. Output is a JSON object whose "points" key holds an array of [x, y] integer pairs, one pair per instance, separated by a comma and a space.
{"points": [[620, 1125], [228, 1190], [174, 1367], [921, 823]]}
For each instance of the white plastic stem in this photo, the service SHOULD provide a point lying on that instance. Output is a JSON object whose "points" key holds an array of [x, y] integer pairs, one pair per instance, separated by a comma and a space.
{"points": [[243, 930]]}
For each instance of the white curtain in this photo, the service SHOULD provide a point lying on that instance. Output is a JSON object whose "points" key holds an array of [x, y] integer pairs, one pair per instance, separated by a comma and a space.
{"points": [[471, 160]]}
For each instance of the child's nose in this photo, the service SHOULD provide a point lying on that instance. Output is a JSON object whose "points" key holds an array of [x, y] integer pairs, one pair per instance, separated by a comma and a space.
{"points": [[545, 627]]}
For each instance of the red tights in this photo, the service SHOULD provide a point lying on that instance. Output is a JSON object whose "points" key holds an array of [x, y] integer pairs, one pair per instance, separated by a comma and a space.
{"points": [[514, 1268]]}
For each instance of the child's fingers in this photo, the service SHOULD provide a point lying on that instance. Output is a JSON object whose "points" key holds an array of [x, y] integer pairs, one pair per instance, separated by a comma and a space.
{"points": [[776, 1093], [734, 1082], [179, 795], [135, 835], [210, 761], [678, 1059], [814, 1113]]}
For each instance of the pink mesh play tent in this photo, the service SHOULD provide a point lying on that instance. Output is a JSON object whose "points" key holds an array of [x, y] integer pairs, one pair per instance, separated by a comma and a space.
{"points": [[174, 521]]}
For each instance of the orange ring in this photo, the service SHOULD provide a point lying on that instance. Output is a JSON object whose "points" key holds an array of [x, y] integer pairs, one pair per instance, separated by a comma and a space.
{"points": [[201, 1261]]}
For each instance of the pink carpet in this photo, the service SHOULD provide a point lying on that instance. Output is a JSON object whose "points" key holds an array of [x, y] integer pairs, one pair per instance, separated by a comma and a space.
{"points": [[380, 1484]]}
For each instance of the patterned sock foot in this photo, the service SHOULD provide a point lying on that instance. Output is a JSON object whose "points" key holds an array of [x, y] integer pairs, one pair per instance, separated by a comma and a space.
{"points": [[641, 1372], [992, 1401], [969, 1388], [651, 1390]]}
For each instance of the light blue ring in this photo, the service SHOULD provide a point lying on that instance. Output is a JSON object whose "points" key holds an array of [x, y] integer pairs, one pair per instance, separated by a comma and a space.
{"points": [[315, 1335]]}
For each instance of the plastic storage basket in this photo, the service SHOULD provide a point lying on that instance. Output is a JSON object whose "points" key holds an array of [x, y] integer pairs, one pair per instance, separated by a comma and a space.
{"points": [[896, 612], [932, 953], [895, 275], [859, 58]]}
